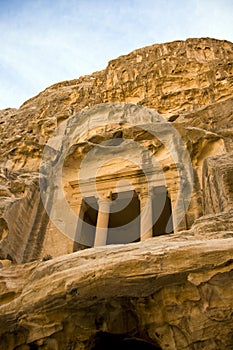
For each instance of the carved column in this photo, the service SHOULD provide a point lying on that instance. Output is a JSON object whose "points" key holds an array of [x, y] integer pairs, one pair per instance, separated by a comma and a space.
{"points": [[146, 216], [102, 223]]}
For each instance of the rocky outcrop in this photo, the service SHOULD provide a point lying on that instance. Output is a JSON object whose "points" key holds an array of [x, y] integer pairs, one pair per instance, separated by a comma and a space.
{"points": [[169, 292], [23, 217], [177, 79], [175, 293], [218, 184]]}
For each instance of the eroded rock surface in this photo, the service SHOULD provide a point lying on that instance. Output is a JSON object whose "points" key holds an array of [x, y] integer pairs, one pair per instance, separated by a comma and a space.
{"points": [[168, 292], [177, 79], [175, 293]]}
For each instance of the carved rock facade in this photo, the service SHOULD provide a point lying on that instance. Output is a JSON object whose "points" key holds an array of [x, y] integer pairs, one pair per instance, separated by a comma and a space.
{"points": [[170, 286]]}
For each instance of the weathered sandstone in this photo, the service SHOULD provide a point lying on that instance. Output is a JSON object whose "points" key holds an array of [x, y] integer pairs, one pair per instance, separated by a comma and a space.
{"points": [[177, 79], [176, 293], [172, 291]]}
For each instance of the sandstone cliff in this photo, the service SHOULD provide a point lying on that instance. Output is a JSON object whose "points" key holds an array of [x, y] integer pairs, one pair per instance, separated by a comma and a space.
{"points": [[170, 292], [177, 79]]}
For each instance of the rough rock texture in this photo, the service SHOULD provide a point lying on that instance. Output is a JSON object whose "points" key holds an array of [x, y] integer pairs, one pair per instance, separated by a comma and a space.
{"points": [[177, 79], [174, 291], [218, 184]]}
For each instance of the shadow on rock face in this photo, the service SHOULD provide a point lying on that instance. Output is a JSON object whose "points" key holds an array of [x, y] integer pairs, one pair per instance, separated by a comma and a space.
{"points": [[106, 341]]}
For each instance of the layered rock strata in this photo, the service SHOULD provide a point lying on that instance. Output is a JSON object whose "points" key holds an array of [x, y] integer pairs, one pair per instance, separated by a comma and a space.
{"points": [[178, 79], [168, 292]]}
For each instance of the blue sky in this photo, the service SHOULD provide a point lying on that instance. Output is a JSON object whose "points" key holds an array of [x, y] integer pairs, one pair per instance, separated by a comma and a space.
{"points": [[46, 41]]}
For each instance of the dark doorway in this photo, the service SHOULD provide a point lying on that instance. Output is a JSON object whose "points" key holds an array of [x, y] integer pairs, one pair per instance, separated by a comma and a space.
{"points": [[162, 212], [108, 341], [86, 226], [124, 219]]}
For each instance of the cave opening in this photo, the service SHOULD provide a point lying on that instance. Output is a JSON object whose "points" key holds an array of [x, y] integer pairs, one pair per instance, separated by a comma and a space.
{"points": [[106, 341]]}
